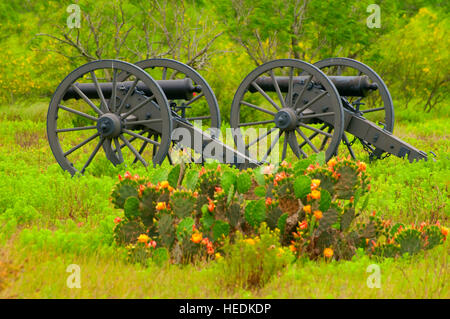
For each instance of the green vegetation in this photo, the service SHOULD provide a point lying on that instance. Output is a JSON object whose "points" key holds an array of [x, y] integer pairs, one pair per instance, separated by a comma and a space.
{"points": [[49, 220]]}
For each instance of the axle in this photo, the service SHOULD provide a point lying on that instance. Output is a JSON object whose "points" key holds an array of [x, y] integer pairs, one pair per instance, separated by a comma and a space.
{"points": [[173, 89], [346, 85]]}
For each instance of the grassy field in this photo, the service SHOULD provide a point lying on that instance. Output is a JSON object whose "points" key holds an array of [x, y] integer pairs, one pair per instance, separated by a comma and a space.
{"points": [[49, 220]]}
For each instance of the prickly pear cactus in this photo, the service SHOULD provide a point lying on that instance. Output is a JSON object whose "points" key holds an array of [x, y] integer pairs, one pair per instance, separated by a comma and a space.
{"points": [[122, 190], [302, 186], [208, 181], [127, 231], [228, 180], [329, 218], [255, 212], [184, 228], [182, 203], [273, 215], [131, 208], [347, 218], [243, 182], [174, 175], [234, 215], [220, 230], [325, 200], [166, 230], [410, 241], [432, 236], [149, 197]]}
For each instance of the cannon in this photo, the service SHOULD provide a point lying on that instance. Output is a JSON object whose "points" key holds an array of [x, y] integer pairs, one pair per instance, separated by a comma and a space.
{"points": [[143, 112]]}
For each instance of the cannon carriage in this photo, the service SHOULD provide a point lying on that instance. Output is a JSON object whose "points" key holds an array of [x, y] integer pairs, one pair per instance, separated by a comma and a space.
{"points": [[140, 112]]}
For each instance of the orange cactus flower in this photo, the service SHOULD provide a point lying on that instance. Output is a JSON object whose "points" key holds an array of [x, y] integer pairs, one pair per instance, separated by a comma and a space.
{"points": [[202, 171], [127, 175], [117, 220], [332, 162], [444, 231], [292, 248], [211, 205], [143, 238], [120, 178], [205, 241], [268, 201], [315, 194], [307, 209], [161, 206], [303, 225], [164, 184], [318, 214], [218, 189], [210, 250], [361, 166], [328, 252], [315, 183], [196, 238]]}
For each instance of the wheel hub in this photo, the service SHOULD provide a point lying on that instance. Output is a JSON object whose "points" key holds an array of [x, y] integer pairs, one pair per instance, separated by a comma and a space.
{"points": [[286, 119], [109, 125]]}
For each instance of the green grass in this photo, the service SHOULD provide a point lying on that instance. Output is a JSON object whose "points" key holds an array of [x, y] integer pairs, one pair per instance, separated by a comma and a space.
{"points": [[49, 220]]}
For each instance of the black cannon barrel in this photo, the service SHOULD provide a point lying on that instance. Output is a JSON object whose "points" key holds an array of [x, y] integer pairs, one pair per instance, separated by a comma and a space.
{"points": [[173, 89], [346, 85]]}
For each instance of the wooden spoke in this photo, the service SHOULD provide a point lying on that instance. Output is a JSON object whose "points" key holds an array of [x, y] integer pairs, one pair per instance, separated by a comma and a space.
{"points": [[272, 146], [99, 92], [68, 109], [136, 153], [260, 137], [91, 157], [268, 98], [140, 137], [81, 144], [277, 89], [307, 140], [83, 128], [314, 100], [256, 123], [196, 98], [257, 108], [315, 129], [86, 99], [137, 107]]}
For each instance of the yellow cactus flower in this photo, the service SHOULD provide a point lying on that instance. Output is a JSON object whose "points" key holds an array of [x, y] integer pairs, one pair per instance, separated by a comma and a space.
{"points": [[143, 238]]}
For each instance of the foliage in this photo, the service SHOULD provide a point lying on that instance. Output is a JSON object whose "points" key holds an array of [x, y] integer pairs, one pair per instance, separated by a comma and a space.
{"points": [[419, 69], [250, 262]]}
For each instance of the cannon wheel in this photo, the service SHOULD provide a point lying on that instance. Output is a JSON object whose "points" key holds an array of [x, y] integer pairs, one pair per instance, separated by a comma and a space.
{"points": [[100, 118], [166, 69], [287, 114], [336, 66]]}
